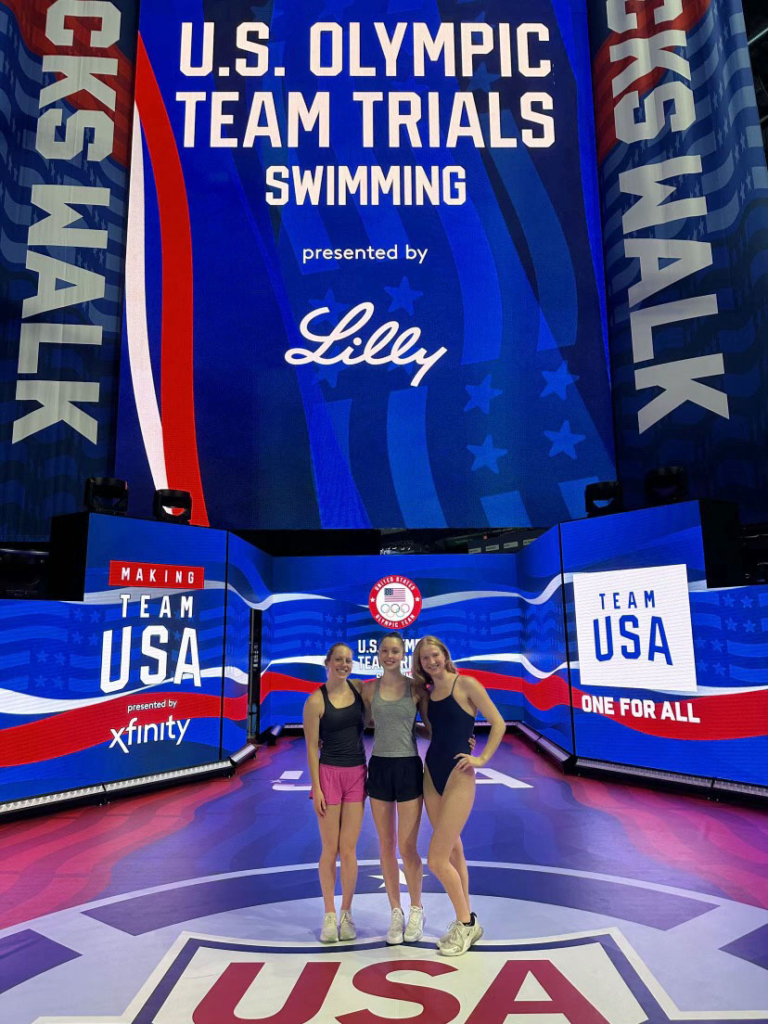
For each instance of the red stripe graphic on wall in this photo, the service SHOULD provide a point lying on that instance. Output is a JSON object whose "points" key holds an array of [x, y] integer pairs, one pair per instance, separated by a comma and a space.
{"points": [[177, 392], [726, 716], [605, 71], [31, 18], [82, 728]]}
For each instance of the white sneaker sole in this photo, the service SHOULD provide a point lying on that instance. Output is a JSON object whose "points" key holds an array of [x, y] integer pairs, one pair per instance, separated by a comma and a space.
{"points": [[453, 951], [332, 938], [395, 941]]}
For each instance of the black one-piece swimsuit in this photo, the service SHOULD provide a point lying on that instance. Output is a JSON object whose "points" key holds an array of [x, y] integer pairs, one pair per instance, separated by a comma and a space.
{"points": [[452, 727]]}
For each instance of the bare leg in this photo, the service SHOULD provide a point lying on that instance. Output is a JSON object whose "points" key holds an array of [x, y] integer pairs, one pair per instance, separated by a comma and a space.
{"points": [[351, 823], [384, 818], [459, 862], [329, 833], [408, 821], [448, 820], [432, 798]]}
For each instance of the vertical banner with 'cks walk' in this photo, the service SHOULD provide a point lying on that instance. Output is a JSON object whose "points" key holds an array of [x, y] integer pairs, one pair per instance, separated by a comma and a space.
{"points": [[685, 220], [66, 82]]}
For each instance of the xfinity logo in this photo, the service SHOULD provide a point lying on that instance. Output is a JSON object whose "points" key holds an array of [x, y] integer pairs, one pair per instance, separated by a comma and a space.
{"points": [[152, 732]]}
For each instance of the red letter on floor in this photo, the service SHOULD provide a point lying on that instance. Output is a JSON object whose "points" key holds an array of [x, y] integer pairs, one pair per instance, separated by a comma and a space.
{"points": [[305, 1000], [436, 1007], [501, 999]]}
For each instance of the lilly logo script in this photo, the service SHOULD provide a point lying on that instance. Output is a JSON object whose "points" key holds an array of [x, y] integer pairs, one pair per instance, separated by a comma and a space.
{"points": [[387, 344]]}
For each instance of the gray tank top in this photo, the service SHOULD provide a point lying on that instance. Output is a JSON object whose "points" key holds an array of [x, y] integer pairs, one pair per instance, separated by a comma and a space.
{"points": [[394, 725]]}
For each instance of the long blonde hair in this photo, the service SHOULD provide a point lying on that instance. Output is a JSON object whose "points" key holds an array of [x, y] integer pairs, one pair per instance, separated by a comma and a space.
{"points": [[422, 679]]}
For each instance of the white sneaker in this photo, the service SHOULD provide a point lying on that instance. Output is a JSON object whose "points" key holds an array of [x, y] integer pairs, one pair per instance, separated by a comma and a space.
{"points": [[330, 930], [347, 928], [415, 927], [395, 933], [448, 937], [459, 938]]}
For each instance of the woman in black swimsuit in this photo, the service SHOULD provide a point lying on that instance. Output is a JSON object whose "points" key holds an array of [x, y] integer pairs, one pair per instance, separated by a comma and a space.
{"points": [[449, 777]]}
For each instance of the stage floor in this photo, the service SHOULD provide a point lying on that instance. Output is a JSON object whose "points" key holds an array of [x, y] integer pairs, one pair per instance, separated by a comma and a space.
{"points": [[201, 905]]}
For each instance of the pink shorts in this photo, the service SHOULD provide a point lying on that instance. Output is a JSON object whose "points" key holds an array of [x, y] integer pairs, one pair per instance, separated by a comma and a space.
{"points": [[342, 785]]}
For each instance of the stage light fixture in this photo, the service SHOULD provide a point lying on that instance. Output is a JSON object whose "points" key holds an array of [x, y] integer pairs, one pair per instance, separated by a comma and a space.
{"points": [[723, 789], [666, 485], [169, 506], [199, 771], [271, 736], [107, 495], [555, 752], [23, 573], [243, 754], [603, 498], [51, 801], [526, 731], [649, 776]]}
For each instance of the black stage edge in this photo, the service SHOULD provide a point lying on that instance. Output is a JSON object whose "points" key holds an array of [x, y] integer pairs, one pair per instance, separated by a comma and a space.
{"points": [[68, 557], [650, 778], [106, 792], [721, 534], [554, 753]]}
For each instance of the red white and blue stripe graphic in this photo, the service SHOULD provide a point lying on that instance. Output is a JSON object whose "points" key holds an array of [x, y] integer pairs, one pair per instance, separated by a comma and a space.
{"points": [[163, 394]]}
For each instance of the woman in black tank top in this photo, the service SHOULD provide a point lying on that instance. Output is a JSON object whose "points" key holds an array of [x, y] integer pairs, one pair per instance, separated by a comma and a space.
{"points": [[334, 718], [449, 777]]}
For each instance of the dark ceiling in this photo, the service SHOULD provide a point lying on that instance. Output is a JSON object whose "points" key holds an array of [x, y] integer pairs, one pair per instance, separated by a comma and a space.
{"points": [[756, 17]]}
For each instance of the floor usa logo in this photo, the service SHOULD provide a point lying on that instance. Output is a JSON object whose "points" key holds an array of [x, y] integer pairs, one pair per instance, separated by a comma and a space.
{"points": [[589, 978]]}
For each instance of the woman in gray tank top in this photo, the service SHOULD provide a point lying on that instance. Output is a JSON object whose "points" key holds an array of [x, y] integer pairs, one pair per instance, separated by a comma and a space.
{"points": [[396, 781], [395, 784]]}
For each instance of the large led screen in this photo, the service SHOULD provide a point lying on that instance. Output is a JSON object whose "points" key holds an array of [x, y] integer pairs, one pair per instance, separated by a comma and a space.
{"points": [[501, 626], [127, 682], [665, 673], [361, 290]]}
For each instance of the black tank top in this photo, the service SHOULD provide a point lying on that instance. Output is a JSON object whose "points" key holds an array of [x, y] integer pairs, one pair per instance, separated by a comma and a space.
{"points": [[341, 732]]}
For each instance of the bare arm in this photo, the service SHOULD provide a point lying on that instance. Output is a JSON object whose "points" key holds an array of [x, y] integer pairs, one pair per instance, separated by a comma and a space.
{"points": [[422, 703], [477, 693], [366, 692], [313, 709]]}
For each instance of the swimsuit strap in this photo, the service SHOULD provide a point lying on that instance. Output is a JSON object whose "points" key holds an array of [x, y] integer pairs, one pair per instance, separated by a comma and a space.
{"points": [[327, 699], [454, 685]]}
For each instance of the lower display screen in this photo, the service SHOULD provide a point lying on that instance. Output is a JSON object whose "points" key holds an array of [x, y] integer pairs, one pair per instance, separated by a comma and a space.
{"points": [[591, 635]]}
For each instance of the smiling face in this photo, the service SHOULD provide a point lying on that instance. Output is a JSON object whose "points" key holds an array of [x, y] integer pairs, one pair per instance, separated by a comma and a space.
{"points": [[391, 653], [432, 660], [338, 664]]}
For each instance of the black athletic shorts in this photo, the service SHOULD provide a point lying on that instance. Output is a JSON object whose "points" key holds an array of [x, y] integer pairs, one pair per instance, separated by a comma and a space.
{"points": [[395, 779]]}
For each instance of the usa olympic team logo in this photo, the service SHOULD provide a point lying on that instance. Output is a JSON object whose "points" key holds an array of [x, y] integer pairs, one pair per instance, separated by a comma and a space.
{"points": [[395, 602]]}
